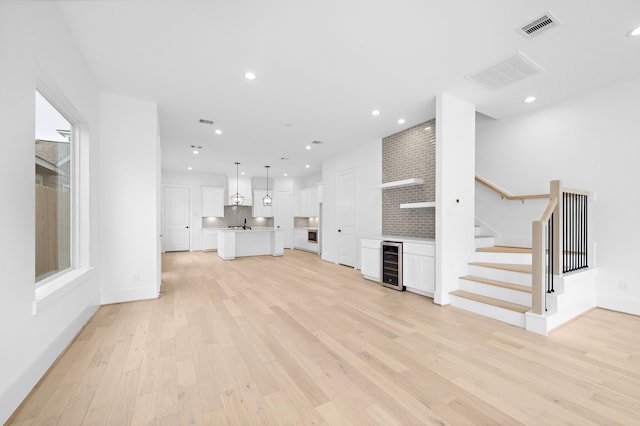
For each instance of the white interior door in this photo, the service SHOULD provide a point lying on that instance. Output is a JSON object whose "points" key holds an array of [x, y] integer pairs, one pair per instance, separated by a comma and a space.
{"points": [[283, 216], [176, 218], [346, 217]]}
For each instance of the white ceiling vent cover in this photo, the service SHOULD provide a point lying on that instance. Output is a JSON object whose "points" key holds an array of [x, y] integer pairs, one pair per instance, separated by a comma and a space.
{"points": [[538, 26], [507, 72]]}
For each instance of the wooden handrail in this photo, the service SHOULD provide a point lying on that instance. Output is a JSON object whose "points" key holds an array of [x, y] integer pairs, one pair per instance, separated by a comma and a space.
{"points": [[549, 210], [506, 195]]}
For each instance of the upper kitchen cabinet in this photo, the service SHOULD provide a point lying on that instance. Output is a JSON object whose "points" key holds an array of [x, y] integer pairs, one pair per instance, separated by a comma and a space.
{"points": [[309, 202], [260, 210], [212, 201]]}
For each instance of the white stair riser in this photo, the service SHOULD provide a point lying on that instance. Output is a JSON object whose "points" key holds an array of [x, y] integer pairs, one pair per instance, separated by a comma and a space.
{"points": [[484, 242], [493, 257], [501, 293], [500, 314], [500, 275]]}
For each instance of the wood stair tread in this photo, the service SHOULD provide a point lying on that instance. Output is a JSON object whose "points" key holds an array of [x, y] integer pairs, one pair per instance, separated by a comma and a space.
{"points": [[513, 267], [491, 301], [505, 249], [496, 283]]}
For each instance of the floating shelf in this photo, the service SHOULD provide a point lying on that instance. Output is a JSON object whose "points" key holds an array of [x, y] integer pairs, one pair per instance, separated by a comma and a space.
{"points": [[418, 205], [401, 183]]}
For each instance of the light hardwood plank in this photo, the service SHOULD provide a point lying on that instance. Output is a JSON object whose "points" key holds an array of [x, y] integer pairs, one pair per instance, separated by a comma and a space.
{"points": [[295, 340]]}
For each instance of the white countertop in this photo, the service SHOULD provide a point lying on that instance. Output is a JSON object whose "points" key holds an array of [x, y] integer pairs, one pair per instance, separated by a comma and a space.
{"points": [[401, 239], [249, 230]]}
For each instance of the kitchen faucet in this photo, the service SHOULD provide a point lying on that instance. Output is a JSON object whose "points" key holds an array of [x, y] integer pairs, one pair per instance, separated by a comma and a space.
{"points": [[245, 224]]}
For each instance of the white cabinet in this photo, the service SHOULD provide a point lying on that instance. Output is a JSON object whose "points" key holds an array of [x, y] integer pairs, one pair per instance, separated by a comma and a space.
{"points": [[212, 201], [418, 267], [301, 241], [307, 203], [259, 209], [210, 239], [370, 258]]}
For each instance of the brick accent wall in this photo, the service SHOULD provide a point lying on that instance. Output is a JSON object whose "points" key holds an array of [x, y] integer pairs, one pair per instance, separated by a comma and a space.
{"points": [[409, 154]]}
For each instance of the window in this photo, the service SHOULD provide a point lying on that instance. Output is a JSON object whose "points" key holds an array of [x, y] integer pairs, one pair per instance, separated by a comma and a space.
{"points": [[53, 192]]}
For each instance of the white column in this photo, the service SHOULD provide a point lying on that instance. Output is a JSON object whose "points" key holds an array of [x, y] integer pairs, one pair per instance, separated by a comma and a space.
{"points": [[455, 192]]}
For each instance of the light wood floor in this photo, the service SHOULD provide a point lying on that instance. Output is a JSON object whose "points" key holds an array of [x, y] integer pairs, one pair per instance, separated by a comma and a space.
{"points": [[295, 340]]}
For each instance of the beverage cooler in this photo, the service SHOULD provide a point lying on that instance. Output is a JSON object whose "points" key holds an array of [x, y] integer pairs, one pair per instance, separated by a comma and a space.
{"points": [[392, 265]]}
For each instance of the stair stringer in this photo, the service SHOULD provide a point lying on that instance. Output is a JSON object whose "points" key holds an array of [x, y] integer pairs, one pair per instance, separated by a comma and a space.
{"points": [[575, 294]]}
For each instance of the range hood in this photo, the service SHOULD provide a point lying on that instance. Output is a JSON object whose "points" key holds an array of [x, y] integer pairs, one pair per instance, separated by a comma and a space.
{"points": [[243, 187]]}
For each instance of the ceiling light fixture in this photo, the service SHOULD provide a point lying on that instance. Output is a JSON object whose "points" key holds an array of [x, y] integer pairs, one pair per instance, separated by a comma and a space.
{"points": [[308, 147], [218, 132], [237, 199], [286, 174], [249, 75], [529, 99], [375, 112], [266, 200], [196, 152], [196, 149], [242, 173], [189, 168], [401, 121], [634, 32], [307, 166]]}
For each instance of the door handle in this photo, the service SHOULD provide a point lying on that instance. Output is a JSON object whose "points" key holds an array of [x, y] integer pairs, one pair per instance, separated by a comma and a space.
{"points": [[186, 227], [339, 230]]}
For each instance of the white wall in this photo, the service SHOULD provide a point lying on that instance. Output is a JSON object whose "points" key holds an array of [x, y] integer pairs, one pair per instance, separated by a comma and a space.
{"points": [[129, 199], [455, 192], [195, 182], [366, 160], [35, 47], [592, 143]]}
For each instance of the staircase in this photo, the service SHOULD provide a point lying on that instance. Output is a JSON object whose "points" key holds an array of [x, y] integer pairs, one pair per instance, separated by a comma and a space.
{"points": [[499, 282]]}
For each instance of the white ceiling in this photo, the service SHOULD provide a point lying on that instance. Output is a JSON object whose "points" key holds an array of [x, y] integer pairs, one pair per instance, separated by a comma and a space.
{"points": [[323, 66]]}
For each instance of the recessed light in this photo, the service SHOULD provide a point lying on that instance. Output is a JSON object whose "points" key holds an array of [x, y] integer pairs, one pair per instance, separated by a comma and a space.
{"points": [[218, 132], [307, 166], [375, 112], [529, 99], [189, 168], [286, 174], [242, 173], [308, 147], [196, 152], [249, 75], [634, 32], [401, 121]]}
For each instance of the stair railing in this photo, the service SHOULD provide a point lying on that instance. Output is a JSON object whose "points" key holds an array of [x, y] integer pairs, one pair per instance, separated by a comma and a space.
{"points": [[505, 195], [559, 241]]}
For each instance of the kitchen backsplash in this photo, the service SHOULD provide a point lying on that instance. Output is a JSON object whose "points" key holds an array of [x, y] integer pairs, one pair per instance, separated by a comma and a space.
{"points": [[305, 222], [409, 154], [235, 215]]}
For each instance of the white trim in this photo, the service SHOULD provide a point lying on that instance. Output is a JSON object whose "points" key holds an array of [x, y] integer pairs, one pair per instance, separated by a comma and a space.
{"points": [[17, 391], [618, 303], [129, 294], [48, 293]]}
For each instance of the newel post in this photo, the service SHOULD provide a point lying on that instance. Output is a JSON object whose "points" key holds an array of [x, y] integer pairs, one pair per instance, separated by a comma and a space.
{"points": [[537, 265], [555, 191]]}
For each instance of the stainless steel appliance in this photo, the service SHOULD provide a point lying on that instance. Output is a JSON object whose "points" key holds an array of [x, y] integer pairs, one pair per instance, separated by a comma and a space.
{"points": [[392, 265], [312, 235]]}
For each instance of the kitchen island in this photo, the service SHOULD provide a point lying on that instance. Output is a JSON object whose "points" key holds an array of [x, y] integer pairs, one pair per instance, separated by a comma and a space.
{"points": [[234, 243]]}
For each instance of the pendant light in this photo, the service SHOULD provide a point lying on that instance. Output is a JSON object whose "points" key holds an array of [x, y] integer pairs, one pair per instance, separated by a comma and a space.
{"points": [[237, 199], [267, 200]]}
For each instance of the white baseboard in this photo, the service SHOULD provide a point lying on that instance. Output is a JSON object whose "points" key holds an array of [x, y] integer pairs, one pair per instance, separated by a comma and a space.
{"points": [[13, 396], [129, 294], [618, 303]]}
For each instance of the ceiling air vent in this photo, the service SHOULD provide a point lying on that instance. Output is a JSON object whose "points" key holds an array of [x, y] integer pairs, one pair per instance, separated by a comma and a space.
{"points": [[538, 26], [317, 142], [509, 71], [203, 121]]}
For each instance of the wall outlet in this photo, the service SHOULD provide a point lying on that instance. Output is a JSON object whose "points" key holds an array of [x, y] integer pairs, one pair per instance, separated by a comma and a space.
{"points": [[136, 277], [623, 286]]}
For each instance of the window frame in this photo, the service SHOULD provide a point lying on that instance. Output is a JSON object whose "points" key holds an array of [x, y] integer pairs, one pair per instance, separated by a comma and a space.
{"points": [[50, 288]]}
